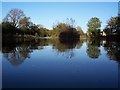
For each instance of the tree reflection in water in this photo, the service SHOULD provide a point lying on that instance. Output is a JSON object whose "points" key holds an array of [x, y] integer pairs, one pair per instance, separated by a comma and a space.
{"points": [[67, 47], [93, 50], [112, 49], [17, 53]]}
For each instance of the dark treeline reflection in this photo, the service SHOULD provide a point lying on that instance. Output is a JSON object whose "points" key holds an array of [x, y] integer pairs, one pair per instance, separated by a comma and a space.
{"points": [[17, 52], [113, 50], [66, 47]]}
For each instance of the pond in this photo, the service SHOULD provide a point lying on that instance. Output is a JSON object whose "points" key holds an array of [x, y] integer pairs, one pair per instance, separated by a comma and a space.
{"points": [[52, 63]]}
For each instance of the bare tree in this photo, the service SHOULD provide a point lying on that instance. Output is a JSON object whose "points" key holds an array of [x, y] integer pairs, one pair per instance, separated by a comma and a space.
{"points": [[14, 16], [70, 22]]}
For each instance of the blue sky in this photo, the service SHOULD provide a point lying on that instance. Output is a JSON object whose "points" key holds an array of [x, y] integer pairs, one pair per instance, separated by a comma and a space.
{"points": [[49, 13]]}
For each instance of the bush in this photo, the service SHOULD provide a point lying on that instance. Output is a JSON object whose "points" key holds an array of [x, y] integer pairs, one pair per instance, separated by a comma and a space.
{"points": [[69, 34]]}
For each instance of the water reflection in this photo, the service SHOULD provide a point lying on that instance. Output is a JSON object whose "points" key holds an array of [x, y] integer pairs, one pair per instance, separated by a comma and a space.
{"points": [[67, 47], [16, 53], [112, 49], [93, 48]]}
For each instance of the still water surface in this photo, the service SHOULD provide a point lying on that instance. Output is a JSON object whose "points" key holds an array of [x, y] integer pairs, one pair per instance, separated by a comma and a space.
{"points": [[50, 63]]}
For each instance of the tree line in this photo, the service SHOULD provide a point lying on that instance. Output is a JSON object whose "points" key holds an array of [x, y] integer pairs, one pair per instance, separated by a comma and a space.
{"points": [[16, 23], [112, 27]]}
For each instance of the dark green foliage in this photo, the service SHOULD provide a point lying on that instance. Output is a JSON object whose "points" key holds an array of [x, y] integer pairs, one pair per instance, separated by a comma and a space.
{"points": [[113, 26], [65, 31], [57, 29], [94, 25], [8, 28], [69, 34]]}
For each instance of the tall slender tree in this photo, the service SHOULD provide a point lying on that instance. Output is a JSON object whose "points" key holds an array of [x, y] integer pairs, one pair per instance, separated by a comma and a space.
{"points": [[94, 25]]}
